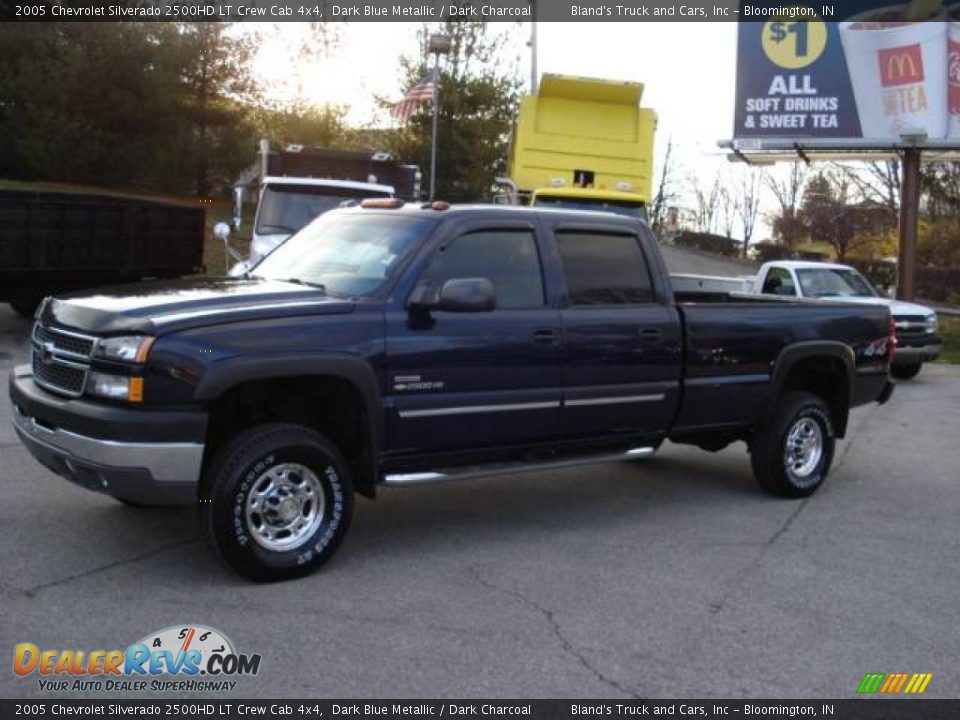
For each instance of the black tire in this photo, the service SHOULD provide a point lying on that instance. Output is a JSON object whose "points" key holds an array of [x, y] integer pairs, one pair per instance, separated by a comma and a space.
{"points": [[299, 467], [133, 503], [905, 372], [809, 416]]}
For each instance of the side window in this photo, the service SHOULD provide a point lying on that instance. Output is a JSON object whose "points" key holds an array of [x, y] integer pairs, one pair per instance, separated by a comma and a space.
{"points": [[604, 269], [507, 258], [778, 282]]}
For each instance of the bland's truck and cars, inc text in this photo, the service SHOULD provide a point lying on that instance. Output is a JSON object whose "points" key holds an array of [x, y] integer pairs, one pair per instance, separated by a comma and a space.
{"points": [[403, 344]]}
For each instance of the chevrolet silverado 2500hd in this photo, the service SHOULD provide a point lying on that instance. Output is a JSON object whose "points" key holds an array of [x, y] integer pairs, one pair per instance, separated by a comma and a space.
{"points": [[396, 345]]}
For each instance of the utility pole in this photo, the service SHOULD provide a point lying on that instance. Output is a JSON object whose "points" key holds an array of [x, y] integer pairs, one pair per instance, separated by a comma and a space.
{"points": [[534, 78]]}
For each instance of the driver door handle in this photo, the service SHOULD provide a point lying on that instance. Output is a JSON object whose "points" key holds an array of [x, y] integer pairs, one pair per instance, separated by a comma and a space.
{"points": [[546, 336]]}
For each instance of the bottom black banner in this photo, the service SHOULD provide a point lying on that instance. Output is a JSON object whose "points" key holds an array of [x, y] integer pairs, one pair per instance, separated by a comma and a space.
{"points": [[547, 709]]}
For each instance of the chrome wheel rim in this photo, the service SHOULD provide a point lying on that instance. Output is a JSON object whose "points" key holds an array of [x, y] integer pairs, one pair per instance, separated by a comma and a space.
{"points": [[803, 450], [284, 507]]}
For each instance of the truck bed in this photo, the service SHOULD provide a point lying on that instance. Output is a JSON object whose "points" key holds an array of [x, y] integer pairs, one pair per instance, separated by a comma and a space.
{"points": [[733, 344]]}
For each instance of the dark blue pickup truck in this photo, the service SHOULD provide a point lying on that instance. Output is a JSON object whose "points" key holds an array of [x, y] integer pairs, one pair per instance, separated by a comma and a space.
{"points": [[390, 344]]}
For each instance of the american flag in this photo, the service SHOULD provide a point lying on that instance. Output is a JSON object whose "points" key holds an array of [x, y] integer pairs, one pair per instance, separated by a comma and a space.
{"points": [[423, 91]]}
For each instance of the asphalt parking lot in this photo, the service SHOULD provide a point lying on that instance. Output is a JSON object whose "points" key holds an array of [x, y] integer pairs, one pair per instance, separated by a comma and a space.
{"points": [[667, 578]]}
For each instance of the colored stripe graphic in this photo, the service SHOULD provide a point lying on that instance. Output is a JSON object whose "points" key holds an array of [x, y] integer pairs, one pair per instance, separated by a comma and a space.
{"points": [[918, 683], [871, 682], [894, 683]]}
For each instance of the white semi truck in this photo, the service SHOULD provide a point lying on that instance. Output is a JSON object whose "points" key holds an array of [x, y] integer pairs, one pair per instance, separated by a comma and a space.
{"points": [[298, 184]]}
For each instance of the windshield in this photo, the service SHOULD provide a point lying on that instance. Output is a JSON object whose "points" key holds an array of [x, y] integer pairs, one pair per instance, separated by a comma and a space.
{"points": [[288, 208], [834, 282], [619, 207], [351, 255]]}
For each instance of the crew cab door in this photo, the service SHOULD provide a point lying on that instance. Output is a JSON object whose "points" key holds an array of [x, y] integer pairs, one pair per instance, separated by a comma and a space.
{"points": [[472, 380], [622, 335]]}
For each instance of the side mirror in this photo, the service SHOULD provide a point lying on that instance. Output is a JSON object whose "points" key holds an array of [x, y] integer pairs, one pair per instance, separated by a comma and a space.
{"points": [[467, 295], [457, 295], [221, 231]]}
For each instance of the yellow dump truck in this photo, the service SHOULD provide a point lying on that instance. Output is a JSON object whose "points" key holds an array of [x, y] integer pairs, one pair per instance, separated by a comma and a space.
{"points": [[584, 143]]}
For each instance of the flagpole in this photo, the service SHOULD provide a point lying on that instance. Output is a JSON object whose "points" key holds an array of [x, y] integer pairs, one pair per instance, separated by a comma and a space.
{"points": [[433, 142], [438, 44]]}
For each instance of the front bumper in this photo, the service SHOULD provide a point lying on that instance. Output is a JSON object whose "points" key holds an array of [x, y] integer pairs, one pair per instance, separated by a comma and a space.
{"points": [[912, 354], [147, 457]]}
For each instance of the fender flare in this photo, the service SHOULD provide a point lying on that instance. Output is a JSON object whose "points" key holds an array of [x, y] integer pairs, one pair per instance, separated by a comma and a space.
{"points": [[225, 374], [792, 354]]}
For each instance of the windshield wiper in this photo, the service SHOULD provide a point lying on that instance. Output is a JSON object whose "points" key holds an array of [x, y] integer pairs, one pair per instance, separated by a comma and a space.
{"points": [[282, 228], [297, 281]]}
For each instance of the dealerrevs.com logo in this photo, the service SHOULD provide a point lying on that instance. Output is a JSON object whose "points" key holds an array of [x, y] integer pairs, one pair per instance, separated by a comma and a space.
{"points": [[181, 658]]}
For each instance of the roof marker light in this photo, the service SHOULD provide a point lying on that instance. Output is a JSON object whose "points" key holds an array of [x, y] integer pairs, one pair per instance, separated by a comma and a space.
{"points": [[381, 203]]}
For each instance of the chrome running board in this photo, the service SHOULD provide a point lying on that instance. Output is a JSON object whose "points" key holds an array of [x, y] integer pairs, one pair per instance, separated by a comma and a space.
{"points": [[507, 468]]}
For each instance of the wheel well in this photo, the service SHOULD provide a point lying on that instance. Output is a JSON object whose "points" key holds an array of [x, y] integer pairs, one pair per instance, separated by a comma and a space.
{"points": [[826, 377], [331, 405]]}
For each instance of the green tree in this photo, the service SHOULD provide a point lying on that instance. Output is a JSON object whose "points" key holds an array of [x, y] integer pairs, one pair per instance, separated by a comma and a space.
{"points": [[479, 95], [213, 100], [79, 101], [316, 126], [159, 106]]}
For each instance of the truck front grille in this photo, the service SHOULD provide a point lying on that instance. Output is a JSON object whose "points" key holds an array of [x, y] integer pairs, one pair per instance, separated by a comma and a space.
{"points": [[61, 359], [59, 377], [65, 342], [910, 326]]}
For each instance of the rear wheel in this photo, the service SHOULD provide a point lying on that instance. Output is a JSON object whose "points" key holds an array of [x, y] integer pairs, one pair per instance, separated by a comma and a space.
{"points": [[278, 501], [905, 372], [792, 455]]}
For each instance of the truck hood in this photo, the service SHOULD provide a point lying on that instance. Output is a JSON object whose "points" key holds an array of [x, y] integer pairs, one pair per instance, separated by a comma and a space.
{"points": [[159, 307], [898, 308]]}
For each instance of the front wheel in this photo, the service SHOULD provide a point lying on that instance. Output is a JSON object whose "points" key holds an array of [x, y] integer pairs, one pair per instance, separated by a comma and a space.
{"points": [[905, 372], [791, 456], [278, 500]]}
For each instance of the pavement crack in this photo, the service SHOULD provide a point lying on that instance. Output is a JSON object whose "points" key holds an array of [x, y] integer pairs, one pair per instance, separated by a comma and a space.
{"points": [[33, 591], [751, 567], [565, 643]]}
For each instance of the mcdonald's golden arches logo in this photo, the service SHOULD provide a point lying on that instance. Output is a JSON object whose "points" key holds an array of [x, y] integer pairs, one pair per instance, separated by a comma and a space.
{"points": [[901, 66]]}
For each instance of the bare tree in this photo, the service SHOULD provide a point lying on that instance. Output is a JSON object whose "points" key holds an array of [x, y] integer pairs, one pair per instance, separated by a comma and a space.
{"points": [[665, 193], [707, 202], [748, 203], [876, 182], [788, 192], [727, 203], [835, 213]]}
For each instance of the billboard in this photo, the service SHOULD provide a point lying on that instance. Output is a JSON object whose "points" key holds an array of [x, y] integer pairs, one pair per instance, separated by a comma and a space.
{"points": [[857, 71]]}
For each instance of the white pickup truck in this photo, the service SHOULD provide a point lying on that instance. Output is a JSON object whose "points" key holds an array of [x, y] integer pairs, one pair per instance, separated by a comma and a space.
{"points": [[917, 340]]}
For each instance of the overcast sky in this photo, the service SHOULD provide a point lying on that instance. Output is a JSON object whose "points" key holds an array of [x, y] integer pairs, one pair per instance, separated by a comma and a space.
{"points": [[688, 69]]}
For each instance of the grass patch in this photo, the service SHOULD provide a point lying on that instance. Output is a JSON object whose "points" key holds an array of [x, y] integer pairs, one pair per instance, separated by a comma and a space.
{"points": [[950, 332]]}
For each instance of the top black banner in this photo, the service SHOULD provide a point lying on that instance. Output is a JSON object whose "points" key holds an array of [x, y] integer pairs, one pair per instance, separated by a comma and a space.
{"points": [[428, 10]]}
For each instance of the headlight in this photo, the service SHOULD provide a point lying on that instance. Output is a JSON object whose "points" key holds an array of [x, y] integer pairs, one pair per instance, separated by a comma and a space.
{"points": [[130, 348], [115, 387], [930, 324]]}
